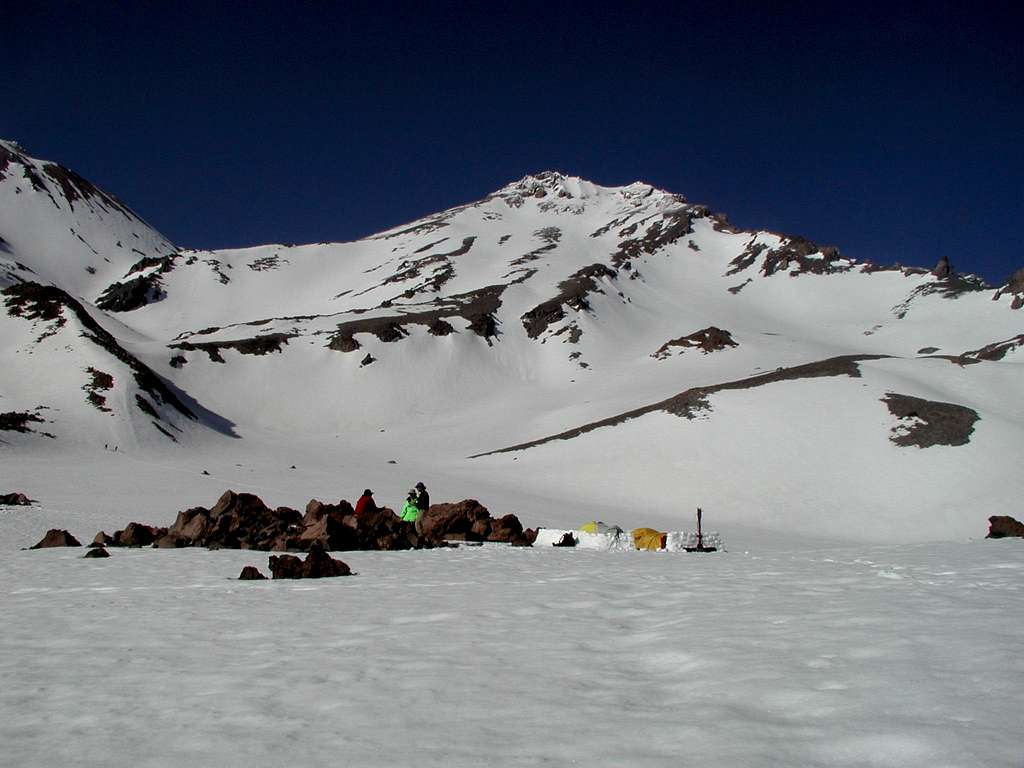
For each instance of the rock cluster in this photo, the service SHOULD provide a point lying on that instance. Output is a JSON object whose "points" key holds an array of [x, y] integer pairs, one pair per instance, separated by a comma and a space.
{"points": [[243, 521], [317, 565]]}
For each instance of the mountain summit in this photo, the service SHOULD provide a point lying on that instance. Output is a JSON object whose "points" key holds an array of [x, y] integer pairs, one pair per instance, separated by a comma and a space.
{"points": [[618, 349]]}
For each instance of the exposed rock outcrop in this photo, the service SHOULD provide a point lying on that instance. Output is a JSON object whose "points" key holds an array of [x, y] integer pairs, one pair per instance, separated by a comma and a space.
{"points": [[97, 552], [925, 423], [243, 521], [710, 339]]}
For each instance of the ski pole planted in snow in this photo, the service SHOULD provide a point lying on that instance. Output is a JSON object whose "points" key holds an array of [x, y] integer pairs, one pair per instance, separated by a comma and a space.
{"points": [[700, 539]]}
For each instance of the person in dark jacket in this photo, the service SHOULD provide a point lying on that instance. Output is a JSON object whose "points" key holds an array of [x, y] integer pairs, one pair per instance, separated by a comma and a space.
{"points": [[366, 503], [422, 498], [422, 503]]}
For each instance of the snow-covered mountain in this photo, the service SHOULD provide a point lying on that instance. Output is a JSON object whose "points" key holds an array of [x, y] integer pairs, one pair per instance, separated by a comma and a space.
{"points": [[566, 349]]}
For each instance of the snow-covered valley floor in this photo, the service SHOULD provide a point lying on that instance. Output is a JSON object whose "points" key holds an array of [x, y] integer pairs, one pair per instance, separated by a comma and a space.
{"points": [[897, 655]]}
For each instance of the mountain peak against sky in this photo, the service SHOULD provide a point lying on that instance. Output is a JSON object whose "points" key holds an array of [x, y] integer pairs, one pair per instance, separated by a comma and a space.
{"points": [[577, 188]]}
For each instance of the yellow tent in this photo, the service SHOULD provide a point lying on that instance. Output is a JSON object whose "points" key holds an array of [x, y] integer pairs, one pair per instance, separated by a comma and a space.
{"points": [[649, 539]]}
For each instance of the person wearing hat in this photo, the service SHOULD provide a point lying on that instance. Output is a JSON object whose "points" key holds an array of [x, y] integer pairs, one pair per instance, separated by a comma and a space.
{"points": [[366, 503], [410, 512], [422, 498]]}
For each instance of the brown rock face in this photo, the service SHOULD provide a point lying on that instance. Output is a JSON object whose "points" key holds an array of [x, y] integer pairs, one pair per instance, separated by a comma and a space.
{"points": [[97, 552], [251, 573], [469, 520], [1002, 526], [102, 539], [317, 565], [137, 535], [57, 537]]}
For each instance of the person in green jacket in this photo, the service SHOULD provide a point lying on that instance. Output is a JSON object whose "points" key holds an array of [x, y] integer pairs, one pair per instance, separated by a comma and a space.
{"points": [[410, 512]]}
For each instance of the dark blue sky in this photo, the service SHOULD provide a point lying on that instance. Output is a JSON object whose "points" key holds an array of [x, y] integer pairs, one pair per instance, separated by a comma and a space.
{"points": [[892, 132]]}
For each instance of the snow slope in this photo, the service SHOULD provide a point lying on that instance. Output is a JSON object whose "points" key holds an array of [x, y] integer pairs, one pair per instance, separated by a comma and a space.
{"points": [[634, 327]]}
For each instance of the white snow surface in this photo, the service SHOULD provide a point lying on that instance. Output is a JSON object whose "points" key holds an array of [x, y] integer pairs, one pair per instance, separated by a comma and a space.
{"points": [[883, 655], [853, 619]]}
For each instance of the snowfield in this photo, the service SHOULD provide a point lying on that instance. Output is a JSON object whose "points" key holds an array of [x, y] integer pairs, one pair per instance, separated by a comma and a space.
{"points": [[558, 350], [900, 655]]}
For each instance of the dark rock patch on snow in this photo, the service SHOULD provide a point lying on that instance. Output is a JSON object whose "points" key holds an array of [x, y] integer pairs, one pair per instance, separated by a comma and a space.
{"points": [[18, 421], [477, 307], [96, 552], [257, 345], [925, 423], [251, 573], [135, 292], [671, 227], [796, 254], [710, 339], [15, 499], [99, 381], [572, 292]]}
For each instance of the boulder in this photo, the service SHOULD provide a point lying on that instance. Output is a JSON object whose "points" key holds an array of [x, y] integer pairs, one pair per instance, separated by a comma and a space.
{"points": [[1002, 526], [137, 535], [317, 565], [285, 567], [330, 533], [195, 524], [57, 537], [440, 521], [507, 529], [102, 539], [251, 573], [97, 552], [15, 499]]}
